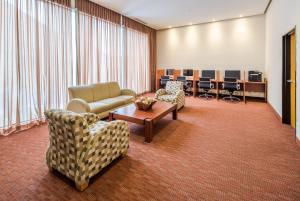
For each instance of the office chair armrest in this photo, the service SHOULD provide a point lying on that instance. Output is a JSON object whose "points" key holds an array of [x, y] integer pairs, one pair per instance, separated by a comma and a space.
{"points": [[160, 92], [78, 105], [128, 92]]}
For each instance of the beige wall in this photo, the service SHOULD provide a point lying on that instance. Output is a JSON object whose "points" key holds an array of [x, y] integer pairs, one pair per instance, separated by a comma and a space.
{"points": [[231, 44], [281, 18]]}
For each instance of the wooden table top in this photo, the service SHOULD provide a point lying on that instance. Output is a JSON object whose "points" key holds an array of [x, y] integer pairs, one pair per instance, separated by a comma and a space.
{"points": [[158, 110]]}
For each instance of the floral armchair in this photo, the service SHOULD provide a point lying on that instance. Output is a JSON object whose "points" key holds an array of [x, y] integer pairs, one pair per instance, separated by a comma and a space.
{"points": [[173, 94], [81, 145]]}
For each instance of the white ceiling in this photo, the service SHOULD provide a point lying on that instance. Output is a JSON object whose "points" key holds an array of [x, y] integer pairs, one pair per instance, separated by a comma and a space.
{"points": [[161, 14]]}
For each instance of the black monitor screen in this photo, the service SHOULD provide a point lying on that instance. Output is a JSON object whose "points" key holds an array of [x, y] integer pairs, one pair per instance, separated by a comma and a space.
{"points": [[188, 72], [165, 77], [233, 73], [181, 78], [169, 71], [208, 73]]}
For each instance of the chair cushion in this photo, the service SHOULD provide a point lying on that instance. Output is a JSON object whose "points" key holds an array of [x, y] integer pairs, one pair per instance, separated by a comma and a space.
{"points": [[82, 92], [167, 98], [98, 107], [101, 91], [96, 128]]}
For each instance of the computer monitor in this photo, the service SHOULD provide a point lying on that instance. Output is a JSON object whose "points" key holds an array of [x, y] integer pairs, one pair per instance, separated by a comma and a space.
{"points": [[209, 73], [165, 77], [188, 72], [233, 73], [169, 71]]}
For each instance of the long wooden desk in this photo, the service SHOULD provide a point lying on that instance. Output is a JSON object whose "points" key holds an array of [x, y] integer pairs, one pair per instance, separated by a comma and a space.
{"points": [[245, 87]]}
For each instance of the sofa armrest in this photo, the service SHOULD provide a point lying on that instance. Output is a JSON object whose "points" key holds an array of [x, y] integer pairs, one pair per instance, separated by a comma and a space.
{"points": [[160, 92], [78, 105], [128, 92]]}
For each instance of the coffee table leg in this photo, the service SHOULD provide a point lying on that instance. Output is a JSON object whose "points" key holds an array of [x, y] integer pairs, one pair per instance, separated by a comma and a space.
{"points": [[148, 130], [110, 118], [174, 114]]}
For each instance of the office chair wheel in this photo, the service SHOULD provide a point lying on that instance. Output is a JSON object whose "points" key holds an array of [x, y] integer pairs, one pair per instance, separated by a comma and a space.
{"points": [[188, 93], [232, 99], [206, 96]]}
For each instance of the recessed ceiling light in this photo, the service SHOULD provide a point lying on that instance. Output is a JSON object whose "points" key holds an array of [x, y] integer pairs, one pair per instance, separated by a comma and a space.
{"points": [[170, 27], [190, 23], [241, 16], [214, 20]]}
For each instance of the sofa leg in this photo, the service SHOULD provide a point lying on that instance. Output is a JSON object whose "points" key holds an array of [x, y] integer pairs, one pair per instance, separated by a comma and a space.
{"points": [[82, 186], [50, 169], [124, 153]]}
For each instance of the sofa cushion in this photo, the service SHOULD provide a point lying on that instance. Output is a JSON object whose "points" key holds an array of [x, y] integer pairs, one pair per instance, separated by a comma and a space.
{"points": [[101, 91], [114, 89], [98, 107], [112, 102], [126, 99], [82, 92]]}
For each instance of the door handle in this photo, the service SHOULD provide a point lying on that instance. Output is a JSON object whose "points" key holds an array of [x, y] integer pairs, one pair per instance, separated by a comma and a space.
{"points": [[290, 81]]}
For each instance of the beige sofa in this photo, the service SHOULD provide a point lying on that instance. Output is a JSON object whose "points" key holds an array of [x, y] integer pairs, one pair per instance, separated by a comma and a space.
{"points": [[99, 98]]}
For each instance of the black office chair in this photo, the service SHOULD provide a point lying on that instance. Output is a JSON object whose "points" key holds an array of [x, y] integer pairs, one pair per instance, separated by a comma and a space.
{"points": [[231, 85], [164, 80], [187, 87], [205, 85]]}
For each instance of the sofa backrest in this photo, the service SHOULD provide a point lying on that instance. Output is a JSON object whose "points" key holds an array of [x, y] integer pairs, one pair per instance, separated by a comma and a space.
{"points": [[83, 92], [114, 89], [95, 92]]}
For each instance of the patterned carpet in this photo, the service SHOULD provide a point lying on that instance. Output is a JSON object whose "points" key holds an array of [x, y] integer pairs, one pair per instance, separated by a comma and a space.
{"points": [[214, 151]]}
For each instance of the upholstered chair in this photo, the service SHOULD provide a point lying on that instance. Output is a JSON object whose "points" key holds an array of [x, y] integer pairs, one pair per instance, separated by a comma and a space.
{"points": [[81, 145], [173, 93]]}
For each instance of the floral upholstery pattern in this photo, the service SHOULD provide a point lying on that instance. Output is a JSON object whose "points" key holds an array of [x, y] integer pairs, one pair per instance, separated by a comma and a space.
{"points": [[173, 94], [81, 145]]}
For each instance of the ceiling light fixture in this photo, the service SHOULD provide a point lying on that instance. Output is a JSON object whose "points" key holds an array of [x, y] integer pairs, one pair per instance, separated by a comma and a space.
{"points": [[170, 27], [191, 23], [214, 20], [241, 16]]}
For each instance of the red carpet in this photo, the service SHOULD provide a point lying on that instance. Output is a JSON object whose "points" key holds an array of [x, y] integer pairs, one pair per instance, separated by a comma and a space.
{"points": [[215, 151]]}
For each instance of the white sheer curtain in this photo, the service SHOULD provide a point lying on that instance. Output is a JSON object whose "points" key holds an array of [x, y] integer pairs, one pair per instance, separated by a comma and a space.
{"points": [[35, 61], [99, 50], [137, 70]]}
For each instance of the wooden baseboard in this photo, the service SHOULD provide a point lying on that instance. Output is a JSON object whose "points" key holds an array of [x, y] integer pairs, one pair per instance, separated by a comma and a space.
{"points": [[275, 112]]}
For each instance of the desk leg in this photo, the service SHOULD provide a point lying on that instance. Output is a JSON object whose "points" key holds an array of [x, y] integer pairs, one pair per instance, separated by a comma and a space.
{"points": [[244, 92], [174, 114], [148, 130], [217, 83], [110, 117]]}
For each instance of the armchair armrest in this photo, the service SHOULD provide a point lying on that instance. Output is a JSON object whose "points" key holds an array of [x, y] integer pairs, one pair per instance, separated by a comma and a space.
{"points": [[103, 136], [78, 105], [160, 92], [128, 92], [179, 94]]}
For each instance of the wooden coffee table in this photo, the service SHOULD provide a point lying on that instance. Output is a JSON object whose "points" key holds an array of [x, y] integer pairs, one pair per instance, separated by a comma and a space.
{"points": [[147, 118]]}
